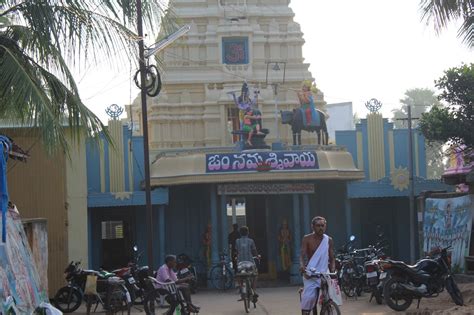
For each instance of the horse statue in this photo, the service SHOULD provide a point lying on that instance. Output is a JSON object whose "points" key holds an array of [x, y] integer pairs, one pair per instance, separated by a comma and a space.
{"points": [[295, 119]]}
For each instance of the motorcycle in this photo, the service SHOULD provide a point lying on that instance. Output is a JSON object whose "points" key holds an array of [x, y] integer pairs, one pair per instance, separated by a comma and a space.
{"points": [[351, 274], [185, 269], [134, 277], [375, 275], [426, 279], [111, 291]]}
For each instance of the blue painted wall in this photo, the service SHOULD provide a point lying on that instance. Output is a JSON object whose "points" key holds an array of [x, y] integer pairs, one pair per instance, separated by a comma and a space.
{"points": [[348, 139]]}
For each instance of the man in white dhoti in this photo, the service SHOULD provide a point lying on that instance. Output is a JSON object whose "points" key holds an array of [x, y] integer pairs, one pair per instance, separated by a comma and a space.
{"points": [[318, 248]]}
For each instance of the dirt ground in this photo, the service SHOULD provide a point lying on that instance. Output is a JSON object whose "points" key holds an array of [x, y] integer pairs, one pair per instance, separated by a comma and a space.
{"points": [[284, 301], [444, 305]]}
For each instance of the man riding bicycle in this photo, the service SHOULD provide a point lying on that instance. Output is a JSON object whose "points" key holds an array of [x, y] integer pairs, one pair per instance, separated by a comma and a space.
{"points": [[318, 249], [246, 251]]}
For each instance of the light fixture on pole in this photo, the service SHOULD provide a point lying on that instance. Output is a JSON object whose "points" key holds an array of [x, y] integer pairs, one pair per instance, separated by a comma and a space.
{"points": [[142, 56], [274, 81]]}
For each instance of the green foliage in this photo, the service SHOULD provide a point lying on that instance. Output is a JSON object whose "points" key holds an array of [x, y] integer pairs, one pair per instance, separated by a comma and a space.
{"points": [[39, 40], [455, 122], [420, 101], [442, 12]]}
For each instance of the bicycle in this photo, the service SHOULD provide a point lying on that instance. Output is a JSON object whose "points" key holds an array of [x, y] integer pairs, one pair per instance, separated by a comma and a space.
{"points": [[221, 275], [247, 271], [329, 307]]}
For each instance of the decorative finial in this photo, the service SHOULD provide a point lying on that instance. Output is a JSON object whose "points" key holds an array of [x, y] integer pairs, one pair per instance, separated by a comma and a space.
{"points": [[114, 111], [373, 105]]}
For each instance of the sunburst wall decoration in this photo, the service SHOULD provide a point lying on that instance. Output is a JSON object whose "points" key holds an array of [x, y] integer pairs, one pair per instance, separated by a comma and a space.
{"points": [[400, 178]]}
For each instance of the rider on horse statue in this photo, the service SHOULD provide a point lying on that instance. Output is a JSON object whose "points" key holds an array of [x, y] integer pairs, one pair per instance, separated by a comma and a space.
{"points": [[310, 115]]}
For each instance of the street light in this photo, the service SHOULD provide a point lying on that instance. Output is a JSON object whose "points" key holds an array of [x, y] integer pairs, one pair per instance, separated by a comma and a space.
{"points": [[412, 187], [142, 55]]}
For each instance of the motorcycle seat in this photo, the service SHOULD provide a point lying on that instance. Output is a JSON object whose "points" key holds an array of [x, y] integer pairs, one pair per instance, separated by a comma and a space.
{"points": [[401, 264]]}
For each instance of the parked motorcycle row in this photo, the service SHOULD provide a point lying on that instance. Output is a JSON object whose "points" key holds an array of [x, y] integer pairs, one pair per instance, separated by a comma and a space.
{"points": [[117, 291], [394, 282]]}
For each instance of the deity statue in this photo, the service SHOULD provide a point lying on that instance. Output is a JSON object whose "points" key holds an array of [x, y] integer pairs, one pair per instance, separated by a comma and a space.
{"points": [[206, 241], [284, 239], [250, 115]]}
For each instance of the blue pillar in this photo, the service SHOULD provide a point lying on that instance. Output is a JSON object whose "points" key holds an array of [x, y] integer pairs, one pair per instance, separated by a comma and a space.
{"points": [[306, 217], [162, 250], [295, 277], [214, 226], [224, 227], [347, 206]]}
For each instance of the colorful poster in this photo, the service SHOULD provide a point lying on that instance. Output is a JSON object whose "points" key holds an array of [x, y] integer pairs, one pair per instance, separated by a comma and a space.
{"points": [[448, 222], [19, 277]]}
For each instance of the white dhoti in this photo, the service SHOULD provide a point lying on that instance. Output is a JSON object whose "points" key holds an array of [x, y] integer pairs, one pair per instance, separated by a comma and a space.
{"points": [[319, 263], [310, 293]]}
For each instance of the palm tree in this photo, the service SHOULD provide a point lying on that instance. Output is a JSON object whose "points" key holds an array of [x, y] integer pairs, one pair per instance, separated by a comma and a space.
{"points": [[40, 39], [441, 12]]}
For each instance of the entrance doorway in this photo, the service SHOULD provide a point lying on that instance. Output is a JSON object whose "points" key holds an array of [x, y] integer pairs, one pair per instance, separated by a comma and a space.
{"points": [[250, 211], [116, 239], [257, 223]]}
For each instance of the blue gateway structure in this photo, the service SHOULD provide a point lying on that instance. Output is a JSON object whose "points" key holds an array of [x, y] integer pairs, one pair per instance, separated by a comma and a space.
{"points": [[198, 193]]}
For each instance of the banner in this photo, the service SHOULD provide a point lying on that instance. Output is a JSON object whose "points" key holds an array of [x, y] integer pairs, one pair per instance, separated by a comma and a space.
{"points": [[255, 161], [448, 222], [265, 189]]}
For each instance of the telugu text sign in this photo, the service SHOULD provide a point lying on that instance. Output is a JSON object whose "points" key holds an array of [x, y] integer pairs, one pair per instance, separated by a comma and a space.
{"points": [[255, 161], [265, 189]]}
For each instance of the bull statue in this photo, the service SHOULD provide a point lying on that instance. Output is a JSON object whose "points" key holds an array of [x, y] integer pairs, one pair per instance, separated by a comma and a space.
{"points": [[295, 120], [307, 118]]}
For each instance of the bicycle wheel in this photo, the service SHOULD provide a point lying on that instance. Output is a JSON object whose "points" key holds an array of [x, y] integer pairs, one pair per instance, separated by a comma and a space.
{"points": [[221, 280], [330, 308]]}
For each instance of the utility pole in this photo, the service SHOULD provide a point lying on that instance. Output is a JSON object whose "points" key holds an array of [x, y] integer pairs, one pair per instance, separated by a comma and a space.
{"points": [[146, 150], [412, 187]]}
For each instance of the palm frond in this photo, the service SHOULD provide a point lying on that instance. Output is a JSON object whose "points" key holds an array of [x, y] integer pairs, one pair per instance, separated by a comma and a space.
{"points": [[39, 40], [466, 31], [36, 97]]}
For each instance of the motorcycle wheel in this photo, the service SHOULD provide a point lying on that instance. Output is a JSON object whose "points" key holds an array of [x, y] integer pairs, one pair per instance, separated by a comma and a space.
{"points": [[68, 299], [118, 302], [378, 296], [454, 291], [347, 286], [392, 297]]}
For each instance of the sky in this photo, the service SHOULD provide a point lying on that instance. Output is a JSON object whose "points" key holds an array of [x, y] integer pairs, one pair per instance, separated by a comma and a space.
{"points": [[357, 50]]}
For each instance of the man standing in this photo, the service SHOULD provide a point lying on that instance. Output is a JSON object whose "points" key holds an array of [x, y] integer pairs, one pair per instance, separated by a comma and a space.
{"points": [[231, 238], [318, 249]]}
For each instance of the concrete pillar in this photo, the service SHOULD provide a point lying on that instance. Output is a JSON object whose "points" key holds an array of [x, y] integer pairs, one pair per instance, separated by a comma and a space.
{"points": [[161, 235], [306, 217], [214, 224], [224, 227], [295, 277]]}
